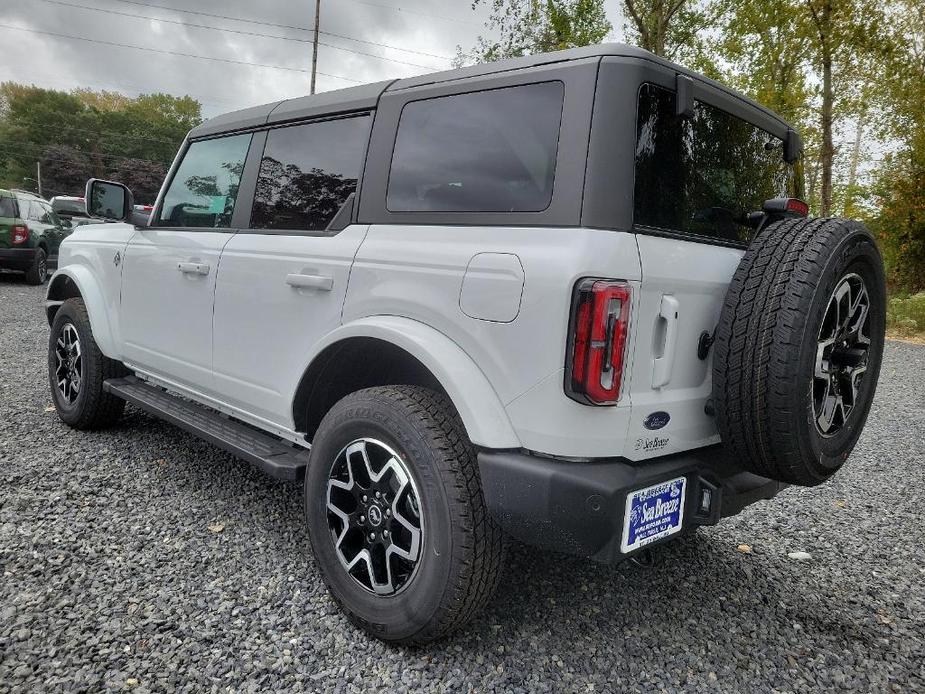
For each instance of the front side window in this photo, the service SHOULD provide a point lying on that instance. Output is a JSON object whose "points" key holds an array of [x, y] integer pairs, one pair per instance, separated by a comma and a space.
{"points": [[703, 175], [490, 151], [307, 172], [205, 187]]}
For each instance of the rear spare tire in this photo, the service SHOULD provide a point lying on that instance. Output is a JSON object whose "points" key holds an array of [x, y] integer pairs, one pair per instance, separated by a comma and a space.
{"points": [[798, 348]]}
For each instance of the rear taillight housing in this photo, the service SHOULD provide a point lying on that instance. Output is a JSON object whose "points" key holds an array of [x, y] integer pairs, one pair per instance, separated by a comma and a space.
{"points": [[597, 341], [20, 234]]}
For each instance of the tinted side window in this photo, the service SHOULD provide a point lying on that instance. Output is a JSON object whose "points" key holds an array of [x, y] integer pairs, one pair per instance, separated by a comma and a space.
{"points": [[205, 187], [7, 207], [703, 175], [307, 173], [490, 151]]}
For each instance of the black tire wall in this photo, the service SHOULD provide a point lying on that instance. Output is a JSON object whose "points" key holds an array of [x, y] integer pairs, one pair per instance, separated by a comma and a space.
{"points": [[766, 343]]}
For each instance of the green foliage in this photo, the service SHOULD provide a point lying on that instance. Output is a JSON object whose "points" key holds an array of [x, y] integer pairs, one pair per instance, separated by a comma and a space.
{"points": [[85, 133], [905, 315], [669, 28], [526, 27]]}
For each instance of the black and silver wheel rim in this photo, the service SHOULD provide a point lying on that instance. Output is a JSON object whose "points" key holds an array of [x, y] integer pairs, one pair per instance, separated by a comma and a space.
{"points": [[842, 352], [68, 364], [43, 268], [375, 516]]}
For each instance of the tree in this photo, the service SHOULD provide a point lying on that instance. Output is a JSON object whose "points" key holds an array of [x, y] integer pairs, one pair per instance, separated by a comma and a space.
{"points": [[765, 53], [526, 27], [664, 27], [65, 171], [104, 127], [900, 183], [142, 177], [844, 39]]}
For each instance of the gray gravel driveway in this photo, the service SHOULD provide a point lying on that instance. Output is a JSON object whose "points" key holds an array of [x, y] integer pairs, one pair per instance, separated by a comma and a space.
{"points": [[141, 558]]}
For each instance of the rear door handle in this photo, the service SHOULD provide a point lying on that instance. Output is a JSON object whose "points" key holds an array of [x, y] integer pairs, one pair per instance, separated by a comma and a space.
{"points": [[193, 268], [320, 282], [661, 368]]}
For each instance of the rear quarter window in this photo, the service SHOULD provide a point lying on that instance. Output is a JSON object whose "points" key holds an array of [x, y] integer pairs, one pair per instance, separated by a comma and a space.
{"points": [[7, 207], [488, 151], [703, 175]]}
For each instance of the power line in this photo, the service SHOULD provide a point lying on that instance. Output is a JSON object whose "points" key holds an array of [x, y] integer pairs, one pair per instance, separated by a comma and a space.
{"points": [[176, 53], [11, 145], [234, 31], [292, 26], [138, 88], [104, 133], [422, 14]]}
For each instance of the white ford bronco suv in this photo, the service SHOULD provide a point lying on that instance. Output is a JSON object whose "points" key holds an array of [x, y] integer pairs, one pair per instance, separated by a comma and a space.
{"points": [[571, 298]]}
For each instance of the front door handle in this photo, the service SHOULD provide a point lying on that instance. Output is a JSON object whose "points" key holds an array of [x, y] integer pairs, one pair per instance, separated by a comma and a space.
{"points": [[193, 268], [320, 282], [661, 367]]}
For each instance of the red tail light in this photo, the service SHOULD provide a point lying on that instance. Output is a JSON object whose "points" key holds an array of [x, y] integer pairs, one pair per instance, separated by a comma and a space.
{"points": [[20, 234], [797, 206], [597, 341]]}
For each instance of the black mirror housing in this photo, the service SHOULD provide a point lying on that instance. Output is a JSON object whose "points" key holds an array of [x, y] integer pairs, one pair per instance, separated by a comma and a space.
{"points": [[109, 200], [684, 106], [793, 146]]}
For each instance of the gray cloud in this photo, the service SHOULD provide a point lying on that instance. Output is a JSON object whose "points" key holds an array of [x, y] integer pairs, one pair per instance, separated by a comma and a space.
{"points": [[426, 26]]}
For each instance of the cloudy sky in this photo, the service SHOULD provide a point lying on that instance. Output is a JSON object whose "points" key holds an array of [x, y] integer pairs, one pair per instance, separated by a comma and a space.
{"points": [[65, 44]]}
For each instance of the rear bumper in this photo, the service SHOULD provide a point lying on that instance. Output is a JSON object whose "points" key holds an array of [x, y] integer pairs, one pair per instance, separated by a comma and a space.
{"points": [[579, 508], [17, 258]]}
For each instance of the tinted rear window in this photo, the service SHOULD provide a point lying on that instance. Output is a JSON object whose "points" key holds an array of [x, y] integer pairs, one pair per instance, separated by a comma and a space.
{"points": [[7, 208], [307, 173], [490, 151], [69, 207], [704, 174]]}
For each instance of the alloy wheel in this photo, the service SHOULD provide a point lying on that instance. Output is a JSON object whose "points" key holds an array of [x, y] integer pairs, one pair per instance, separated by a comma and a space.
{"points": [[375, 516], [842, 351], [68, 363]]}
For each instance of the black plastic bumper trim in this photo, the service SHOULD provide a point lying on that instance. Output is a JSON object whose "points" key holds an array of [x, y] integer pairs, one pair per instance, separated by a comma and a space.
{"points": [[578, 508]]}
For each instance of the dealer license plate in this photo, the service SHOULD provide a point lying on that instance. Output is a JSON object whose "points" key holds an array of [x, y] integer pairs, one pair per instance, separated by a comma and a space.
{"points": [[653, 513]]}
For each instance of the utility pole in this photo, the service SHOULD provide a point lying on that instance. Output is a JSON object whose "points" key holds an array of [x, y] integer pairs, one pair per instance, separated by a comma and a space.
{"points": [[38, 177], [315, 50]]}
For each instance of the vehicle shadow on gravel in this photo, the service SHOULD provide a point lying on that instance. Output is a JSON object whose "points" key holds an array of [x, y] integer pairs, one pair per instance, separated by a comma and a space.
{"points": [[540, 592]]}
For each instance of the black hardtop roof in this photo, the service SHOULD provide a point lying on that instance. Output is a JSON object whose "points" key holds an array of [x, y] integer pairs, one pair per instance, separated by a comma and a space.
{"points": [[365, 97]]}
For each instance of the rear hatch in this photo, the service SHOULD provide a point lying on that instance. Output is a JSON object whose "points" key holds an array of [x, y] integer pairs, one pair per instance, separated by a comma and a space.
{"points": [[7, 220], [697, 179]]}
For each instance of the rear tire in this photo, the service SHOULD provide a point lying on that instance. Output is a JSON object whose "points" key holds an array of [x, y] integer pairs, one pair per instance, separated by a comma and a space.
{"points": [[416, 446], [77, 369], [38, 273], [798, 348]]}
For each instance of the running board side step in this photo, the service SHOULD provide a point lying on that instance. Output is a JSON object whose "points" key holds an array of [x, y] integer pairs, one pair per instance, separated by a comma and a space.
{"points": [[271, 455]]}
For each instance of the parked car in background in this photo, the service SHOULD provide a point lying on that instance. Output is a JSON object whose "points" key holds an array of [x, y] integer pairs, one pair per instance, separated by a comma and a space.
{"points": [[30, 234], [73, 210], [142, 212]]}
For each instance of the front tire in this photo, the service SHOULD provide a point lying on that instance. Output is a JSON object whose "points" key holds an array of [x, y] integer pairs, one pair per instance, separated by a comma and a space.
{"points": [[77, 369], [396, 515]]}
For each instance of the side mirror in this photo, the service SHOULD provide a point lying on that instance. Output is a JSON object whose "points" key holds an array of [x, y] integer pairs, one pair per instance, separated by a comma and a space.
{"points": [[108, 200]]}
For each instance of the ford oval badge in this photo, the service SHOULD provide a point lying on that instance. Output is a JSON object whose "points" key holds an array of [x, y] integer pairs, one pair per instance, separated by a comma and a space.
{"points": [[656, 420]]}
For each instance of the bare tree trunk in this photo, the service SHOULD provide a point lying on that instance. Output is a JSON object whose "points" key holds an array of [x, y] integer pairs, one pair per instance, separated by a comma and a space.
{"points": [[828, 107], [853, 171]]}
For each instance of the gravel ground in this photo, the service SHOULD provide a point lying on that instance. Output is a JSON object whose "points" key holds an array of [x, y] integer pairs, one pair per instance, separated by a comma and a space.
{"points": [[141, 558]]}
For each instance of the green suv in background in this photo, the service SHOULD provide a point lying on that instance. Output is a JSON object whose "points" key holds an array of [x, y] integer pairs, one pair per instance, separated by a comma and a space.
{"points": [[30, 233]]}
